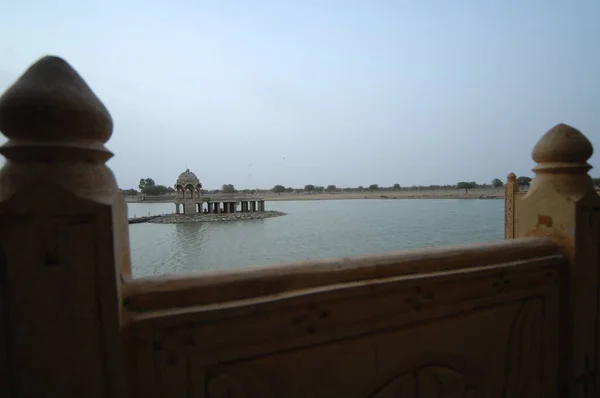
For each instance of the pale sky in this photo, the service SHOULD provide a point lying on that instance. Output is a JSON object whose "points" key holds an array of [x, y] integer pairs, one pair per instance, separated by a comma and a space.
{"points": [[262, 92]]}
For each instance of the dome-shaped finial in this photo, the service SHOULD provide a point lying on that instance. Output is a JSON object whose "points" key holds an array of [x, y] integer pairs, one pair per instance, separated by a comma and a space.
{"points": [[51, 102], [511, 177], [563, 144]]}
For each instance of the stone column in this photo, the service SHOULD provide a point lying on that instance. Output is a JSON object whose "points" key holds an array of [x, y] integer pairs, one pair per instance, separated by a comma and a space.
{"points": [[218, 204], [562, 204], [511, 189], [62, 264], [253, 206], [176, 208]]}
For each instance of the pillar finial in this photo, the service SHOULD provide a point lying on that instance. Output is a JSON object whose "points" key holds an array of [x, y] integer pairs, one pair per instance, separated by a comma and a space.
{"points": [[562, 149], [562, 163], [50, 108]]}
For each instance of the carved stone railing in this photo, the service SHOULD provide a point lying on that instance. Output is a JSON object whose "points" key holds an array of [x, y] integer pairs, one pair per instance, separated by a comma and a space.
{"points": [[372, 326], [518, 317]]}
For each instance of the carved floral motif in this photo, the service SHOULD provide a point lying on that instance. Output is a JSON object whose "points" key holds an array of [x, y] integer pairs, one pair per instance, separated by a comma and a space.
{"points": [[425, 382]]}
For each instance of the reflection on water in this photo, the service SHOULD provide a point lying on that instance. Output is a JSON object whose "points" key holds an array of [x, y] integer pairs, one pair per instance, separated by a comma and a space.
{"points": [[311, 230]]}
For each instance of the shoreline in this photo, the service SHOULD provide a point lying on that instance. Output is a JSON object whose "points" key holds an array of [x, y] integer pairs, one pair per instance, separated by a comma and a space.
{"points": [[475, 195], [382, 197]]}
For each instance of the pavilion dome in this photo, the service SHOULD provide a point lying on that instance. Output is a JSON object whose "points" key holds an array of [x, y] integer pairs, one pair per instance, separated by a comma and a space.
{"points": [[188, 178]]}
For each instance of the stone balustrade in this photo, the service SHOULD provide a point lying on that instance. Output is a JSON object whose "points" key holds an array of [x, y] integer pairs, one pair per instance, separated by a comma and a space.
{"points": [[514, 318]]}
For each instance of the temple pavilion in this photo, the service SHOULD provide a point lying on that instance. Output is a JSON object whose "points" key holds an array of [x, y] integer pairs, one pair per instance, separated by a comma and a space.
{"points": [[189, 199]]}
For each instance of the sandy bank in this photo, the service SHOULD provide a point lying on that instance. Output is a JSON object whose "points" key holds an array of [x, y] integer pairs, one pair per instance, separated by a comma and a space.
{"points": [[428, 194], [441, 194]]}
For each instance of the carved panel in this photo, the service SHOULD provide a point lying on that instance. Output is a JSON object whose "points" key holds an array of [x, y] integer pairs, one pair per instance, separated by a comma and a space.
{"points": [[304, 321], [523, 353], [492, 352]]}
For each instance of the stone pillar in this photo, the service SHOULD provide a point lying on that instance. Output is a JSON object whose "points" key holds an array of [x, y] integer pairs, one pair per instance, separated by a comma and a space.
{"points": [[252, 206], [261, 205], [62, 264], [562, 204], [511, 189], [218, 204], [176, 208], [234, 207]]}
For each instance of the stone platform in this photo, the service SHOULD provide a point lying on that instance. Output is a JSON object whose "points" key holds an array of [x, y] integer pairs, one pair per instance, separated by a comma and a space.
{"points": [[222, 217]]}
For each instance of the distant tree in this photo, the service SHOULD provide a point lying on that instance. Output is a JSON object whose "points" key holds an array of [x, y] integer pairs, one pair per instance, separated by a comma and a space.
{"points": [[289, 189], [497, 183], [279, 189], [466, 186], [228, 188], [319, 188], [146, 183], [596, 182], [331, 188], [309, 188], [373, 187], [129, 192], [524, 181], [156, 190], [396, 187], [360, 188]]}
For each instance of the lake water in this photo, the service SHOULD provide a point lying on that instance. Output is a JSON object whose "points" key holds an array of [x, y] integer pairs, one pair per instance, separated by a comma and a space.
{"points": [[310, 230]]}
